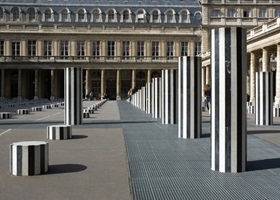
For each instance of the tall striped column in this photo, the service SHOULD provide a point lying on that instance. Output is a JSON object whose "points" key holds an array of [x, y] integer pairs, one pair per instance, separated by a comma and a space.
{"points": [[189, 97], [148, 97], [156, 97], [169, 97], [143, 89], [264, 98], [73, 114], [228, 100]]}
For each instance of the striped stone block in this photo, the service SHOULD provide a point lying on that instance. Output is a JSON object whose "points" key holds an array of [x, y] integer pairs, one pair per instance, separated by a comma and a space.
{"points": [[54, 105], [189, 97], [29, 158], [276, 112], [85, 114], [264, 98], [59, 132], [169, 97], [251, 109], [228, 100], [5, 115], [156, 97], [23, 111], [90, 110], [73, 96], [11, 105], [148, 97], [35, 109], [46, 107]]}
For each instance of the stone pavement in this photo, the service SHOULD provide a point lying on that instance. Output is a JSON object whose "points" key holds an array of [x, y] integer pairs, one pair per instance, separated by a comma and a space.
{"points": [[122, 153]]}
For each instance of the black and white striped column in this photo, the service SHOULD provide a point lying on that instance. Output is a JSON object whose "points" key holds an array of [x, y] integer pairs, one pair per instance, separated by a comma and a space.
{"points": [[29, 158], [148, 98], [264, 98], [189, 97], [156, 97], [59, 132], [169, 97], [228, 100], [73, 114], [143, 101]]}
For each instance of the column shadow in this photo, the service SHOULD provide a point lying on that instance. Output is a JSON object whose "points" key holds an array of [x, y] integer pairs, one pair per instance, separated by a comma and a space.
{"points": [[65, 168], [272, 163]]}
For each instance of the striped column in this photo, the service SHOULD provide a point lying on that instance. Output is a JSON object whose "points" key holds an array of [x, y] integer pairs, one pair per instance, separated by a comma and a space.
{"points": [[73, 96], [264, 98], [143, 93], [148, 98], [189, 97], [228, 100], [169, 97], [156, 97], [29, 158], [59, 132]]}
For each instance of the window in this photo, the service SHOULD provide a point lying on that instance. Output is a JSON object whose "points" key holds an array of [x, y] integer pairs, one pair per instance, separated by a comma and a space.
{"points": [[31, 14], [81, 49], [48, 48], [31, 48], [262, 13], [96, 16], [155, 50], [111, 49], [81, 16], [1, 14], [140, 16], [170, 50], [231, 13], [1, 47], [15, 13], [215, 13], [155, 16], [64, 16], [96, 49], [48, 15], [247, 13], [15, 48], [184, 48], [125, 16], [277, 13], [64, 48], [197, 50], [125, 49], [111, 16], [140, 49], [170, 16], [184, 16]]}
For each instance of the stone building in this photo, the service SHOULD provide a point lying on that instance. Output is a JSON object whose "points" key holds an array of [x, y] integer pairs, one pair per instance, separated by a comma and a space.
{"points": [[119, 44]]}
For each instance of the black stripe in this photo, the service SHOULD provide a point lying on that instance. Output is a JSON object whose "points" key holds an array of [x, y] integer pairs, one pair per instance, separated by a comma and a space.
{"points": [[31, 160], [19, 160], [11, 158], [188, 77], [42, 157], [61, 132]]}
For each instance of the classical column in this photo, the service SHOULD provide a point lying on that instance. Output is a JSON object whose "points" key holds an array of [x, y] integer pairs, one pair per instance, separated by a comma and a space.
{"points": [[191, 48], [149, 76], [88, 82], [277, 97], [23, 46], [73, 96], [19, 84], [208, 75], [148, 97], [36, 83], [189, 97], [265, 60], [39, 51], [228, 100], [156, 97], [52, 84], [118, 84], [55, 50], [252, 78], [103, 82], [203, 82], [169, 97], [3, 83], [133, 85], [143, 100]]}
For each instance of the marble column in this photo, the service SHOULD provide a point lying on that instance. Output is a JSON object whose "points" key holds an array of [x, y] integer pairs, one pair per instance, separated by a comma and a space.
{"points": [[36, 84], [189, 97], [143, 93], [203, 82], [103, 82], [118, 84], [3, 83], [19, 84], [252, 78], [207, 75], [156, 97], [169, 97], [148, 76], [228, 99], [133, 76], [277, 96], [264, 98], [52, 84], [265, 60], [88, 82], [73, 96], [148, 97]]}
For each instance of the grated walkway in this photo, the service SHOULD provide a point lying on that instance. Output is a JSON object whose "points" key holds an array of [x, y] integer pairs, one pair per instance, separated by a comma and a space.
{"points": [[163, 167]]}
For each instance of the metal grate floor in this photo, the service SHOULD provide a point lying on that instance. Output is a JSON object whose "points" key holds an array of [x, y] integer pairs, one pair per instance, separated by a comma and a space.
{"points": [[164, 167]]}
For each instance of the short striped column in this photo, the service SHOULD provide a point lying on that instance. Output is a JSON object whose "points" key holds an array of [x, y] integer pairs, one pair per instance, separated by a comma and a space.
{"points": [[189, 97], [73, 96], [156, 97], [264, 98], [23, 111], [228, 100], [5, 115], [59, 132], [148, 97], [46, 107], [169, 97], [36, 109], [276, 110], [29, 158]]}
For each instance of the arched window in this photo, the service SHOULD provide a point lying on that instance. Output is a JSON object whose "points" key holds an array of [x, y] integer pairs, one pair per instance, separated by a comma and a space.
{"points": [[15, 14], [140, 16], [64, 15], [1, 14], [31, 14], [141, 75], [48, 15], [155, 16], [169, 16], [111, 16], [96, 16], [185, 17], [81, 16], [125, 15]]}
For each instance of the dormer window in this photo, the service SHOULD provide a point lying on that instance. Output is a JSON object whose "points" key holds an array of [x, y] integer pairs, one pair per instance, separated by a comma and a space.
{"points": [[48, 15], [140, 16], [31, 14], [15, 14]]}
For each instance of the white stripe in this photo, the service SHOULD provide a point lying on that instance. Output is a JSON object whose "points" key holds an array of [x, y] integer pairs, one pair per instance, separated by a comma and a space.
{"points": [[42, 118], [213, 113], [5, 132]]}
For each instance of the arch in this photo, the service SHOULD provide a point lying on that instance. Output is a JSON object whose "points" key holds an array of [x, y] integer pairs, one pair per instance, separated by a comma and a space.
{"points": [[111, 15], [64, 15], [32, 14], [126, 15], [48, 15], [140, 15], [16, 14], [81, 15], [96, 15], [155, 15], [184, 16], [155, 74], [198, 15], [2, 14], [169, 16]]}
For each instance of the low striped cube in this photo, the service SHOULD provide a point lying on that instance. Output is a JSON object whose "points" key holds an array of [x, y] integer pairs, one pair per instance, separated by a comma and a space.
{"points": [[54, 105], [85, 114], [276, 112], [46, 106], [90, 110], [34, 109], [29, 158], [59, 132], [5, 115], [22, 111]]}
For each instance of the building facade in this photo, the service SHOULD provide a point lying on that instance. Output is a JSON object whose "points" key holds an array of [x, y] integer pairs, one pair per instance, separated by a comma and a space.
{"points": [[118, 44]]}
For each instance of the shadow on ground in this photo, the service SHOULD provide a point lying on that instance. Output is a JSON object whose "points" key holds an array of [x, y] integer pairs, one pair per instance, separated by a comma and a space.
{"points": [[65, 168], [271, 163]]}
